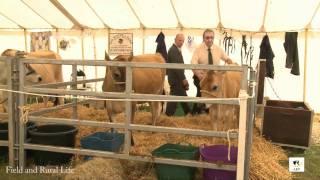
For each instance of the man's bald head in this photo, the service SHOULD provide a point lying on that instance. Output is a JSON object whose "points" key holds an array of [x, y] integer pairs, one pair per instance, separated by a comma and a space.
{"points": [[179, 40]]}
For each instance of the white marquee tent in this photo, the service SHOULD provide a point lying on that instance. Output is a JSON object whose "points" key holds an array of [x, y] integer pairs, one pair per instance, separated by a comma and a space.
{"points": [[87, 23]]}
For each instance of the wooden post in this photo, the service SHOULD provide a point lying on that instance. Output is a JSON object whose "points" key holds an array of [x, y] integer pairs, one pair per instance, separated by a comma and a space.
{"points": [[261, 73]]}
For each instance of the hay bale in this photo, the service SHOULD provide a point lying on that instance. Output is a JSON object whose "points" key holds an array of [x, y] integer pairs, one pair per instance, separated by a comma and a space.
{"points": [[98, 168]]}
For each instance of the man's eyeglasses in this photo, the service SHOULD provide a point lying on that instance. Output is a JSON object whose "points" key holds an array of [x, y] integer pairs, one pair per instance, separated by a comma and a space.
{"points": [[208, 37]]}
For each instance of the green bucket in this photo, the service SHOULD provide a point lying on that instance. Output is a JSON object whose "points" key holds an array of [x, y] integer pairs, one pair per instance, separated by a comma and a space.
{"points": [[176, 151]]}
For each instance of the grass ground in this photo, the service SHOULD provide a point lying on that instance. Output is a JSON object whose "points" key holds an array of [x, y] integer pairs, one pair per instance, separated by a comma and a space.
{"points": [[311, 161]]}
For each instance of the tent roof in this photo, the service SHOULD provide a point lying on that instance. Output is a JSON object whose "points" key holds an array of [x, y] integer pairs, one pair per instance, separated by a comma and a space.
{"points": [[244, 15]]}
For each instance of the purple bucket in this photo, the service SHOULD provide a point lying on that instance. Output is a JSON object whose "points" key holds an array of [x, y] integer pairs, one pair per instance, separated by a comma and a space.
{"points": [[219, 154]]}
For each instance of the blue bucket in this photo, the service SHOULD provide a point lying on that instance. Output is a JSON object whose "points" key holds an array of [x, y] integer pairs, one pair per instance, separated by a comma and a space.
{"points": [[104, 141]]}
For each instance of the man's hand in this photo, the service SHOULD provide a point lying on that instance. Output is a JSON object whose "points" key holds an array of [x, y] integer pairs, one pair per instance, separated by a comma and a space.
{"points": [[185, 84]]}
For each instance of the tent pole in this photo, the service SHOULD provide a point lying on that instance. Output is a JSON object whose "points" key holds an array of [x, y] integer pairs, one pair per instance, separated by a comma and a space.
{"points": [[95, 59], [82, 48], [107, 50], [306, 32], [57, 40], [143, 39], [25, 40]]}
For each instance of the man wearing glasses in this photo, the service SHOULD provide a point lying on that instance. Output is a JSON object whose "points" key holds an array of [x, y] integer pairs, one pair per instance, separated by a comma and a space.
{"points": [[206, 53]]}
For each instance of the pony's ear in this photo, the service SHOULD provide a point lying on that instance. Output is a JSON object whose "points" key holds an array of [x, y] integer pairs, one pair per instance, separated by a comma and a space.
{"points": [[106, 56]]}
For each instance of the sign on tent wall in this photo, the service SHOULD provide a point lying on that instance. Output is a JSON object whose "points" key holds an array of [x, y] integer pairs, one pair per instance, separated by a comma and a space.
{"points": [[120, 44], [40, 41]]}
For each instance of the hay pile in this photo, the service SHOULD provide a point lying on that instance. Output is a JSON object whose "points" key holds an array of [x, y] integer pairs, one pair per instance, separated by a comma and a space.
{"points": [[98, 167], [265, 157], [316, 129]]}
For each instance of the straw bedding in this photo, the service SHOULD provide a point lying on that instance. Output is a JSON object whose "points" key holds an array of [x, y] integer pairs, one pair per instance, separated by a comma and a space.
{"points": [[264, 164]]}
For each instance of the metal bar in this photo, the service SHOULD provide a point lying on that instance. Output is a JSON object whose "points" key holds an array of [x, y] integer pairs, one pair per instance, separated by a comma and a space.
{"points": [[51, 109], [133, 96], [136, 127], [129, 157], [133, 64], [76, 121], [11, 122], [4, 115], [22, 131], [250, 121], [74, 86], [15, 101], [290, 145], [129, 115], [186, 131], [4, 143], [242, 135], [4, 86], [53, 85], [244, 82]]}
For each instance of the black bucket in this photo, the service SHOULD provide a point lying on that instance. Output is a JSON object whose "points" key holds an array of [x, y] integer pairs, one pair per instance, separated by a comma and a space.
{"points": [[4, 136], [55, 135]]}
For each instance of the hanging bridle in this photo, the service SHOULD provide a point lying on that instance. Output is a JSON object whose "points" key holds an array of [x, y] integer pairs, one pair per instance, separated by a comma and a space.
{"points": [[246, 54], [229, 43]]}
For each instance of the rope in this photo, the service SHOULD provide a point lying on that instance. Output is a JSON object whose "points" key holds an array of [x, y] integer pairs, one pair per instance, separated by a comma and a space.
{"points": [[208, 93], [229, 142], [274, 91], [114, 99], [24, 110]]}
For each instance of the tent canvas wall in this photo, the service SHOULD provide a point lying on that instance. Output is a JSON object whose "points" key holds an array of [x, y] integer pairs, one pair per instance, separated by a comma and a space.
{"points": [[86, 24]]}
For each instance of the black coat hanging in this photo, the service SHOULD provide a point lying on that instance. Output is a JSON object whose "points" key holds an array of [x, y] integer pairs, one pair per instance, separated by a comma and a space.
{"points": [[161, 47], [291, 47], [267, 53]]}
